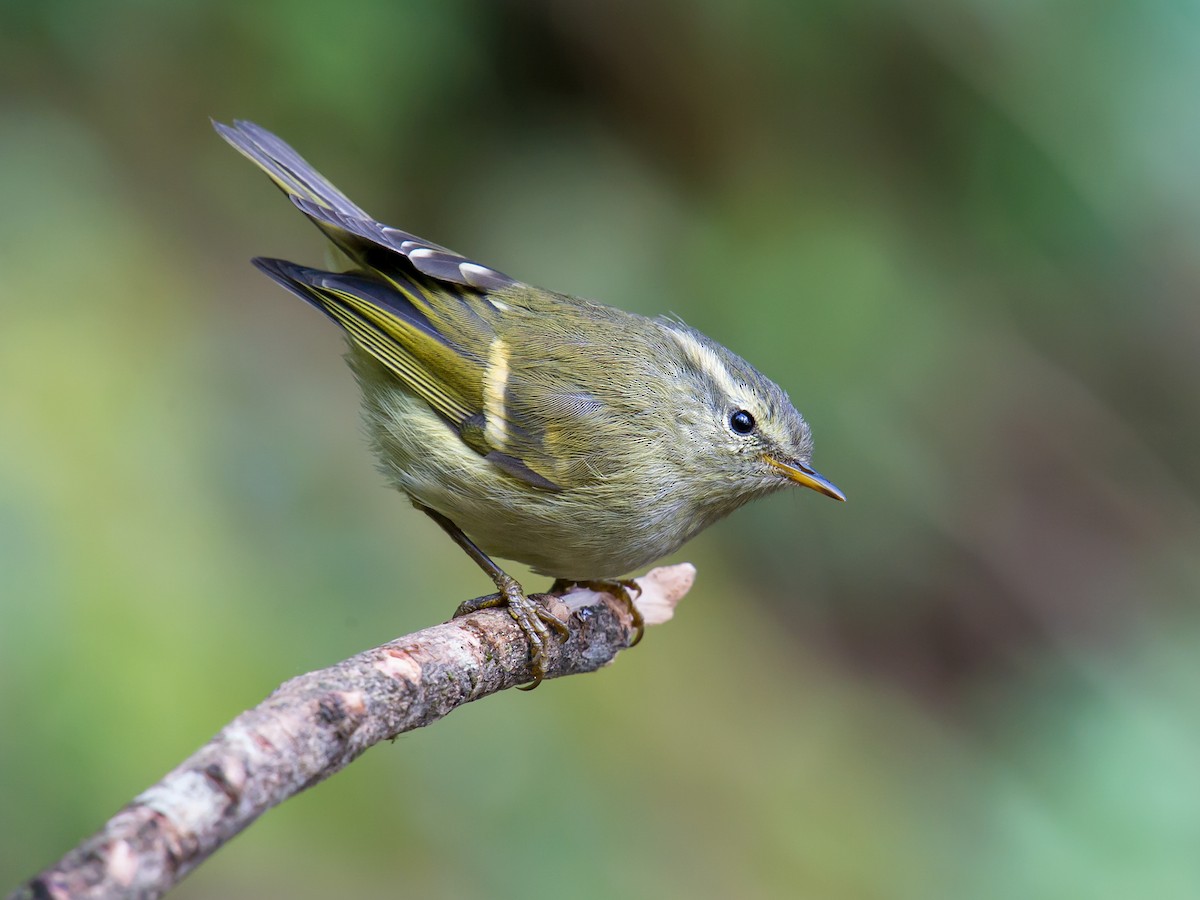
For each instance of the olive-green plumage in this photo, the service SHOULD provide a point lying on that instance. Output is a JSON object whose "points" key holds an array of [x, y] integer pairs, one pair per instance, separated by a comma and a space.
{"points": [[580, 439]]}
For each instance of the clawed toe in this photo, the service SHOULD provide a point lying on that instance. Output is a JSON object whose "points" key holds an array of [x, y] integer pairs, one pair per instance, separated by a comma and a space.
{"points": [[535, 620], [542, 611], [468, 607]]}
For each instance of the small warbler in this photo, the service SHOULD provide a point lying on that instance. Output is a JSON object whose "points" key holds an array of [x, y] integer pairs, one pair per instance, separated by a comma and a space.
{"points": [[580, 439]]}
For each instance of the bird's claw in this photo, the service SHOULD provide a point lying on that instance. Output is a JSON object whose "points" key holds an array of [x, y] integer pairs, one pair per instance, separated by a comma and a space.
{"points": [[532, 616], [536, 621]]}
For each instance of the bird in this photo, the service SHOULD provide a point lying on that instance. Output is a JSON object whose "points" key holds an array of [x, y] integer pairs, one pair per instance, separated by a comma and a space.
{"points": [[577, 438]]}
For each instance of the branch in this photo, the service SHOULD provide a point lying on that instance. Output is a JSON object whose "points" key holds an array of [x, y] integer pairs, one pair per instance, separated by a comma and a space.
{"points": [[315, 724]]}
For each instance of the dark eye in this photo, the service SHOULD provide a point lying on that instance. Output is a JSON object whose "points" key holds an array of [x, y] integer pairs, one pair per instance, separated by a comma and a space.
{"points": [[741, 422]]}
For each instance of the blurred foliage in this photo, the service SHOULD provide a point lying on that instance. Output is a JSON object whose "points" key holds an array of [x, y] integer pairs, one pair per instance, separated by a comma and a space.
{"points": [[963, 235]]}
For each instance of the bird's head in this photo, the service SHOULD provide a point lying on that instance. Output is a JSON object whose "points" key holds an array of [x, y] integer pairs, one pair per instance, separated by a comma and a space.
{"points": [[744, 438]]}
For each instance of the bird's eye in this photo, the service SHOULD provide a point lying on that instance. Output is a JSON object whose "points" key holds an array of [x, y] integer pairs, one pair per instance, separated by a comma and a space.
{"points": [[741, 422]]}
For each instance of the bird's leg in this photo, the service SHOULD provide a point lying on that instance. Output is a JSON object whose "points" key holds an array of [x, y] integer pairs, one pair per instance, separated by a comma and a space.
{"points": [[534, 619], [622, 588]]}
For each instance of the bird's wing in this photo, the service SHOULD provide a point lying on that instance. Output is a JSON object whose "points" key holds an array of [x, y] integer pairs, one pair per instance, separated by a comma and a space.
{"points": [[519, 412]]}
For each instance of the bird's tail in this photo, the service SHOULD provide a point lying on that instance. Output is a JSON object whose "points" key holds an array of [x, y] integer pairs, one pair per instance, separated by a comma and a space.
{"points": [[287, 168]]}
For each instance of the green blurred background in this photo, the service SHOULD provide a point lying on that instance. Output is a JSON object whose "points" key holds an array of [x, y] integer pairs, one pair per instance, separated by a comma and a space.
{"points": [[963, 235]]}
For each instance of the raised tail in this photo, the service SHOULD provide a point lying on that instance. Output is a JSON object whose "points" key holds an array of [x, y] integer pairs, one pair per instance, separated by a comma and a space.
{"points": [[287, 168], [344, 223]]}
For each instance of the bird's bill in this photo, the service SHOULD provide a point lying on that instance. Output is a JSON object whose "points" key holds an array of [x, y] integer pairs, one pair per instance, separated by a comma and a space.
{"points": [[803, 475]]}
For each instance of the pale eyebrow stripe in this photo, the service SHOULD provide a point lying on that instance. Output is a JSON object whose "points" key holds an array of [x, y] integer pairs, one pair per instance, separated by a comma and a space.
{"points": [[707, 361]]}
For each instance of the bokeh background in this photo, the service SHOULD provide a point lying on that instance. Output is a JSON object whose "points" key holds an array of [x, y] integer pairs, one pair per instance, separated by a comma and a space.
{"points": [[963, 235]]}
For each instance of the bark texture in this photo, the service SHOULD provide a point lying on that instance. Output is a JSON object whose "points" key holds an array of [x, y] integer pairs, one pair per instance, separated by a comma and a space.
{"points": [[315, 724]]}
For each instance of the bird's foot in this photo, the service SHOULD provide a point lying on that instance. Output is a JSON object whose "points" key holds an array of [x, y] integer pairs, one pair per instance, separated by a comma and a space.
{"points": [[530, 614], [622, 588]]}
